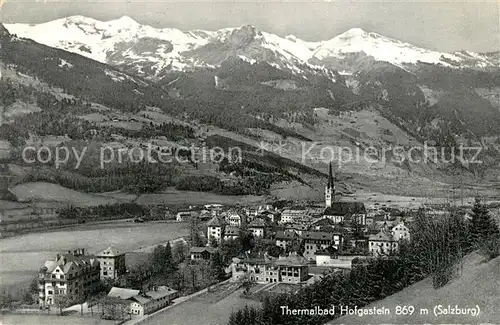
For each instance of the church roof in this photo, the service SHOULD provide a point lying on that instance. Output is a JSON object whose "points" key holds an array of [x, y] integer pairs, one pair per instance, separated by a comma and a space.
{"points": [[345, 208]]}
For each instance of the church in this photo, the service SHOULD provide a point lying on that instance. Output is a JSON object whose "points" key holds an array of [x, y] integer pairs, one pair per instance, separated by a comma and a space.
{"points": [[341, 212]]}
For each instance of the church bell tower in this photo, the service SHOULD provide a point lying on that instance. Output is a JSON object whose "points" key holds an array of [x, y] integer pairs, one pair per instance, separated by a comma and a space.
{"points": [[330, 188]]}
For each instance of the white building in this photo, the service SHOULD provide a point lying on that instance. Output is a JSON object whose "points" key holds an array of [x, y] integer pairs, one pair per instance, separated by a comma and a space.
{"points": [[234, 218], [292, 215], [152, 301], [73, 276], [215, 229], [382, 243], [257, 227], [400, 232]]}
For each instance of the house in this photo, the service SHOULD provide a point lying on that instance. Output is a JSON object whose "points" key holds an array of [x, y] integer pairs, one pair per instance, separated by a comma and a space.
{"points": [[322, 224], [231, 233], [153, 300], [215, 229], [253, 267], [400, 232], [291, 269], [288, 269], [201, 253], [251, 212], [234, 218], [257, 227], [73, 275], [112, 263], [293, 214], [346, 212], [272, 216], [318, 240], [382, 243], [285, 239], [182, 216], [265, 207], [296, 228]]}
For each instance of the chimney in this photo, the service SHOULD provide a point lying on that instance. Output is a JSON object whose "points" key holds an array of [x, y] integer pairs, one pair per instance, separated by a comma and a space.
{"points": [[57, 257], [83, 251]]}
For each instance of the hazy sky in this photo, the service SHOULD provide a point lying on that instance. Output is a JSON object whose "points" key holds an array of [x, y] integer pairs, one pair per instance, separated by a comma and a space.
{"points": [[440, 25]]}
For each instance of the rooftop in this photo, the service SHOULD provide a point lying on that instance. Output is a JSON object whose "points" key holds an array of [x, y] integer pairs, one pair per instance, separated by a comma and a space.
{"points": [[210, 250], [293, 259], [381, 236], [109, 252], [123, 293], [345, 208], [216, 222]]}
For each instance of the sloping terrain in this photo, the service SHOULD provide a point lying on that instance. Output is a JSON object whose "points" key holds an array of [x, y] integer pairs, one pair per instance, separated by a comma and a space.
{"points": [[479, 284]]}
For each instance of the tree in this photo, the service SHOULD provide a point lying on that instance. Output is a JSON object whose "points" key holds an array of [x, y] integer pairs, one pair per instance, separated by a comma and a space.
{"points": [[61, 301], [195, 238], [179, 252], [217, 265], [214, 242], [6, 300], [114, 308], [482, 226]]}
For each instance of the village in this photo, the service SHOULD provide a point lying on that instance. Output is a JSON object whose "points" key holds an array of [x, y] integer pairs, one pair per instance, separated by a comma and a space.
{"points": [[288, 247]]}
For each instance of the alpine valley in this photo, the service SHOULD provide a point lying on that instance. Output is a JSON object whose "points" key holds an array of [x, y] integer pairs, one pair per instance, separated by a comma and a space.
{"points": [[122, 83]]}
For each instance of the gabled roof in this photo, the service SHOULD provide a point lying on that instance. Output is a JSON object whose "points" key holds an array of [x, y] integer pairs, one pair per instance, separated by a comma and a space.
{"points": [[66, 262], [381, 236], [345, 208], [285, 235], [257, 223], [293, 259], [296, 226], [317, 235], [122, 293], [141, 299], [160, 292], [216, 222], [109, 252], [210, 250], [323, 222]]}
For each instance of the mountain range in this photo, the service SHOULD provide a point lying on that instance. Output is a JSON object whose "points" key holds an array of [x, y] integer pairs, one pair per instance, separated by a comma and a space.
{"points": [[241, 86], [152, 52]]}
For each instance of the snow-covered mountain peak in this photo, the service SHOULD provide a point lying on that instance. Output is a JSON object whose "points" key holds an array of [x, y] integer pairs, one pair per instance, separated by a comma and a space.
{"points": [[126, 21], [352, 33], [142, 48]]}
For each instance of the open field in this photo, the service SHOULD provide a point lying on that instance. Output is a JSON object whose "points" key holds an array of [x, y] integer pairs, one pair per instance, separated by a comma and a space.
{"points": [[478, 285], [22, 256], [27, 319], [208, 309], [175, 197], [43, 191]]}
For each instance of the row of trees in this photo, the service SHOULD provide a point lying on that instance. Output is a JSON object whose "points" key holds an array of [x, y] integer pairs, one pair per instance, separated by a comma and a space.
{"points": [[173, 267], [436, 250]]}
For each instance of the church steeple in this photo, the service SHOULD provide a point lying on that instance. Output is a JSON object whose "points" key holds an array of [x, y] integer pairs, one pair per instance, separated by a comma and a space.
{"points": [[330, 188], [330, 177]]}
